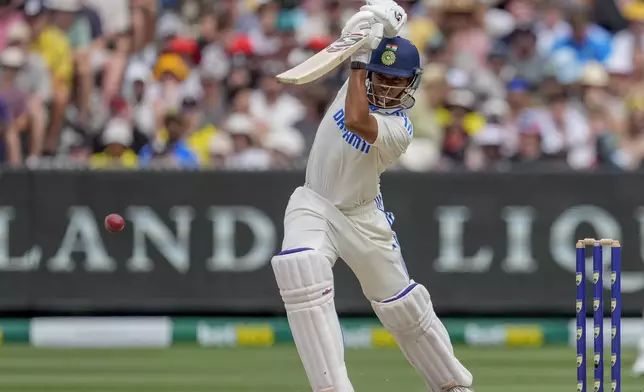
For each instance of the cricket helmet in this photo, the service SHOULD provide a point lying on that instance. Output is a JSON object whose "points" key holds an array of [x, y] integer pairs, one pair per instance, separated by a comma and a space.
{"points": [[395, 57]]}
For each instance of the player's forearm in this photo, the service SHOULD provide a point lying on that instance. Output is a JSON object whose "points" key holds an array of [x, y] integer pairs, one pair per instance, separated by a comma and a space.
{"points": [[356, 108]]}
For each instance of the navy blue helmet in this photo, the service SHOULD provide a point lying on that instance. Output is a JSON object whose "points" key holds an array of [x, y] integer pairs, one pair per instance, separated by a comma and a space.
{"points": [[394, 74]]}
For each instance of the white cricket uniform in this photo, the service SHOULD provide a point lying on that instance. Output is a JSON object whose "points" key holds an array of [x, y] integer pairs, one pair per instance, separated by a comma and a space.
{"points": [[339, 210]]}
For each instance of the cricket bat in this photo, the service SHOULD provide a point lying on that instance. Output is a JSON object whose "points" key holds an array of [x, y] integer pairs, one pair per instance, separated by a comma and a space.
{"points": [[324, 61]]}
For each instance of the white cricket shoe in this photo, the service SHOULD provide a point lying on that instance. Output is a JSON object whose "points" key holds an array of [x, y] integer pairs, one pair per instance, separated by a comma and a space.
{"points": [[460, 389], [638, 367]]}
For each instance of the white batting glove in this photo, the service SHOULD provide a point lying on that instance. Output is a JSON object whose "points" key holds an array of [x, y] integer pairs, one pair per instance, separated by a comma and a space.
{"points": [[375, 32], [363, 22], [391, 15]]}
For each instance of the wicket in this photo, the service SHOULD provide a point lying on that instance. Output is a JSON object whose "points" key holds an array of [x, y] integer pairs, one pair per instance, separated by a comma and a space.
{"points": [[598, 314]]}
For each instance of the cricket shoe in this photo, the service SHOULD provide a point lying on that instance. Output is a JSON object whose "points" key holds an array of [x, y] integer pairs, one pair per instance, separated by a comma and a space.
{"points": [[460, 389], [638, 367]]}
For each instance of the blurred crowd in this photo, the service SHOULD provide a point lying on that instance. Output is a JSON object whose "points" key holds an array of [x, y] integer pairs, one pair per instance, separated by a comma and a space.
{"points": [[508, 84]]}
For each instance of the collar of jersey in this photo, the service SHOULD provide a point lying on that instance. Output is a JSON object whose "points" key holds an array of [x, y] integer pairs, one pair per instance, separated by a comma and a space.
{"points": [[376, 109]]}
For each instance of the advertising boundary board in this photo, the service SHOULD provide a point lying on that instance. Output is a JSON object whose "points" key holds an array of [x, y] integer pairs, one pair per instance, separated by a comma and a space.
{"points": [[201, 242]]}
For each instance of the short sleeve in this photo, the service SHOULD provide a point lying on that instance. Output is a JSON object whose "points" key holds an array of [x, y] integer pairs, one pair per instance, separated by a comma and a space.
{"points": [[394, 134]]}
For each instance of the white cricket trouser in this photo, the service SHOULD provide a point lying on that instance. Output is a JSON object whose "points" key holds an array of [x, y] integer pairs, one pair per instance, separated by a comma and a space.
{"points": [[361, 236], [316, 233]]}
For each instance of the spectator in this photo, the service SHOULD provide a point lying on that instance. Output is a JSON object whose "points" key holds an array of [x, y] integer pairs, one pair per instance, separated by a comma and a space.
{"points": [[524, 56], [11, 60], [263, 37], [213, 102], [119, 110], [32, 79], [607, 141], [491, 81], [430, 98], [460, 123], [523, 11], [597, 98], [632, 145], [565, 133], [272, 105], [462, 23], [247, 153], [459, 110], [221, 147], [8, 17], [137, 93], [66, 15], [497, 114], [197, 136], [519, 100], [116, 138], [587, 41], [285, 146], [169, 89], [486, 151], [172, 153], [629, 41], [52, 44], [552, 27], [528, 153]]}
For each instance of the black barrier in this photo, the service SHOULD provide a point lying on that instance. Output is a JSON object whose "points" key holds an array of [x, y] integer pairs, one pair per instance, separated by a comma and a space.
{"points": [[202, 242]]}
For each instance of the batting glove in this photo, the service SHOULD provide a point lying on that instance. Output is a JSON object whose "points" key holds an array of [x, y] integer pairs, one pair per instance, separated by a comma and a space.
{"points": [[375, 32], [363, 22], [391, 15]]}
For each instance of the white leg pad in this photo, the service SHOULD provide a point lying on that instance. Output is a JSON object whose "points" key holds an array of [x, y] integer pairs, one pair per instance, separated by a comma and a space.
{"points": [[305, 280], [410, 318]]}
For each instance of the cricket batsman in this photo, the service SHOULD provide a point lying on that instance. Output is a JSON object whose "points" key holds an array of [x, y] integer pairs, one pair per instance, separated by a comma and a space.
{"points": [[339, 212]]}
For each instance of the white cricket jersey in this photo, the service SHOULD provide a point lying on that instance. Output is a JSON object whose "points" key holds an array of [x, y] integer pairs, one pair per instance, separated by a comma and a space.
{"points": [[343, 167]]}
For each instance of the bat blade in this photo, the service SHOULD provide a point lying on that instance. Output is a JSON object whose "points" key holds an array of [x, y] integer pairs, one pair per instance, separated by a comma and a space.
{"points": [[324, 61]]}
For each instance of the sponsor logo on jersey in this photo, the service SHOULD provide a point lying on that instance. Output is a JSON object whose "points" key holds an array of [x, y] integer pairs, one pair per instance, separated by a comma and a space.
{"points": [[351, 138]]}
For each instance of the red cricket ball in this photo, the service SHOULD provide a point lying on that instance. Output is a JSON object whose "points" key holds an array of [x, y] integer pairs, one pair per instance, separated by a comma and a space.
{"points": [[114, 223]]}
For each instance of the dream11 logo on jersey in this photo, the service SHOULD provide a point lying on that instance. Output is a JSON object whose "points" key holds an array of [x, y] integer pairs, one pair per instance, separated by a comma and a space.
{"points": [[81, 245]]}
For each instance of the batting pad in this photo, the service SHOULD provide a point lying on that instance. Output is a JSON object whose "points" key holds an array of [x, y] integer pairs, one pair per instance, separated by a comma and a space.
{"points": [[305, 280], [410, 318]]}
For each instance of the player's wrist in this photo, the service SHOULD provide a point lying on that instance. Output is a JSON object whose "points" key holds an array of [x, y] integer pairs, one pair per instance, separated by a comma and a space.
{"points": [[358, 65], [361, 56]]}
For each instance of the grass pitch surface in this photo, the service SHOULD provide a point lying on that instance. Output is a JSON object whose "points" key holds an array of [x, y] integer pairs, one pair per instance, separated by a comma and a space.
{"points": [[276, 369]]}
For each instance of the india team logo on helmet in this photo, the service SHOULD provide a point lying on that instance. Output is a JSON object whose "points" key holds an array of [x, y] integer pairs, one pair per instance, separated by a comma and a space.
{"points": [[388, 58]]}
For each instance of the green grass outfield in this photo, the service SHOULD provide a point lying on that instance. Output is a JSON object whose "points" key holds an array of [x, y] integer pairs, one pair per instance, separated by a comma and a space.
{"points": [[276, 369]]}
